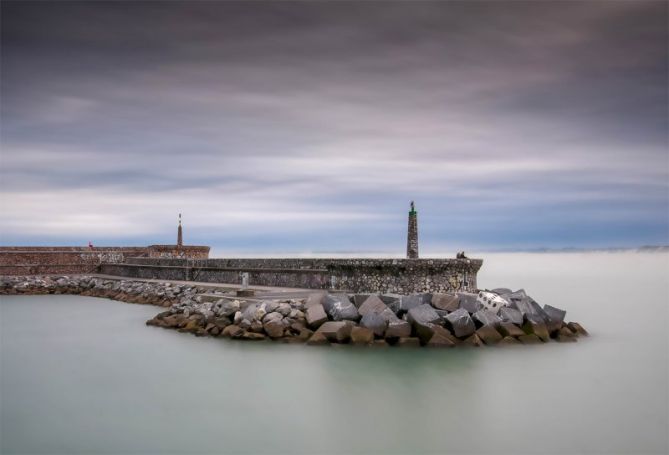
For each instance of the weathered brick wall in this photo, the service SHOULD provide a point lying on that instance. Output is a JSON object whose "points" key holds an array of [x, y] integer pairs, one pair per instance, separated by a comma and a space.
{"points": [[357, 275], [61, 260]]}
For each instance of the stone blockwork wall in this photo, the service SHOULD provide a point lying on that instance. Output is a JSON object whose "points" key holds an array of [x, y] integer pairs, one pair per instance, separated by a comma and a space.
{"points": [[181, 251], [356, 275], [61, 260]]}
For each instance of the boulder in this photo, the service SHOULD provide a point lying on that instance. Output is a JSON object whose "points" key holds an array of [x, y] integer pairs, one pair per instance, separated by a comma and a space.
{"points": [[398, 328], [336, 331], [227, 307], [393, 301], [253, 336], [536, 326], [375, 322], [489, 335], [509, 340], [359, 299], [529, 339], [555, 318], [438, 341], [423, 314], [501, 291], [380, 344], [318, 338], [272, 317], [577, 329], [408, 341], [510, 330], [460, 323], [274, 328], [473, 340], [407, 302], [565, 335], [361, 335], [373, 304], [232, 331], [512, 315], [486, 317], [314, 299], [446, 302], [469, 302], [340, 308], [316, 316]]}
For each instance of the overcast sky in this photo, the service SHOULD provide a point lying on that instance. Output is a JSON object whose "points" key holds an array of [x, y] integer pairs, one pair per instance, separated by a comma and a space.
{"points": [[308, 127]]}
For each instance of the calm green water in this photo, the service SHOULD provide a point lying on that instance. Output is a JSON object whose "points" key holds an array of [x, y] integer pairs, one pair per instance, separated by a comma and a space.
{"points": [[85, 375]]}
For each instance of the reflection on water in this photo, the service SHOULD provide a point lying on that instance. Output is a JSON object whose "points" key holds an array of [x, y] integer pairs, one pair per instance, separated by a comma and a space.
{"points": [[85, 375]]}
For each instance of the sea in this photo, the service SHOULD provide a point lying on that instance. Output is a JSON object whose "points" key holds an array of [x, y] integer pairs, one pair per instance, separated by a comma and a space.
{"points": [[82, 375]]}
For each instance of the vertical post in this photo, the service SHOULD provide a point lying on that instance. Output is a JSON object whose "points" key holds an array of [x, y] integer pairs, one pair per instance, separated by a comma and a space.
{"points": [[180, 235], [412, 234]]}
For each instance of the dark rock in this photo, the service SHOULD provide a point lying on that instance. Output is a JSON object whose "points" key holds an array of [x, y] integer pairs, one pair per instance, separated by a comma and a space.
{"points": [[510, 330], [314, 299], [446, 302], [577, 329], [408, 342], [487, 317], [501, 291], [375, 322], [529, 339], [565, 335], [232, 331], [473, 340], [423, 314], [398, 329], [316, 316], [359, 299], [274, 328], [373, 304], [512, 315], [441, 342], [253, 336], [228, 307], [340, 308], [393, 301], [460, 323], [489, 335], [336, 331], [536, 327], [361, 335], [380, 344], [407, 302], [509, 340], [555, 318], [469, 302]]}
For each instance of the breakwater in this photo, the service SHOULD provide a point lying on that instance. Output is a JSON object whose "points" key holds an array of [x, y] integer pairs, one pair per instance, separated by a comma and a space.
{"points": [[436, 320], [403, 276]]}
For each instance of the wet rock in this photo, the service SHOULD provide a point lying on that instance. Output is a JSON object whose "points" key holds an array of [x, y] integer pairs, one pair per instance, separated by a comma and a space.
{"points": [[565, 335], [407, 302], [509, 340], [460, 323], [373, 304], [408, 342], [336, 331], [473, 340], [445, 302], [508, 329], [555, 318], [512, 315], [361, 335], [316, 316], [380, 344], [537, 327], [340, 308], [486, 317], [441, 341], [529, 339], [253, 336], [318, 338], [577, 329], [392, 301], [375, 322], [274, 328], [232, 331], [489, 335], [423, 314]]}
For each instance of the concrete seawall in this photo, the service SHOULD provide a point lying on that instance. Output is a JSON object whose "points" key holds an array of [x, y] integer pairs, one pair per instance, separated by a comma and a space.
{"points": [[355, 275]]}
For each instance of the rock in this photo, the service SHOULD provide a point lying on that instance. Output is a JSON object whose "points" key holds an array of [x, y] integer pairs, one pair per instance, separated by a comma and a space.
{"points": [[318, 338], [372, 304], [375, 322], [408, 342], [392, 301], [529, 339], [486, 317], [398, 329], [423, 314], [272, 317], [555, 318], [446, 302], [359, 299], [473, 340], [512, 315], [255, 326], [232, 331], [253, 336], [361, 335], [336, 331], [380, 344], [441, 341], [274, 328], [460, 323], [577, 329], [537, 327], [314, 299], [565, 335], [469, 302], [501, 291], [227, 307], [316, 316], [340, 308], [510, 330], [407, 302], [509, 340], [489, 335]]}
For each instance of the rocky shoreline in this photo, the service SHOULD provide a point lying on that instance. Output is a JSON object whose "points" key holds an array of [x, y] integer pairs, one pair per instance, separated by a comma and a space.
{"points": [[485, 318]]}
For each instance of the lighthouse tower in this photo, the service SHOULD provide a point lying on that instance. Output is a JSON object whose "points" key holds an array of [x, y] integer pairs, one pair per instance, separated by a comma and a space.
{"points": [[180, 234], [412, 236]]}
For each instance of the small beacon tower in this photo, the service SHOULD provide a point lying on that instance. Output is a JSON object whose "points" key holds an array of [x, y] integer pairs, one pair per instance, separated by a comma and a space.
{"points": [[180, 234], [412, 236]]}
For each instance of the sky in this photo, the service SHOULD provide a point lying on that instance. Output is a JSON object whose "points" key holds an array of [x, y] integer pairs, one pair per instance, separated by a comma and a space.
{"points": [[308, 127]]}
